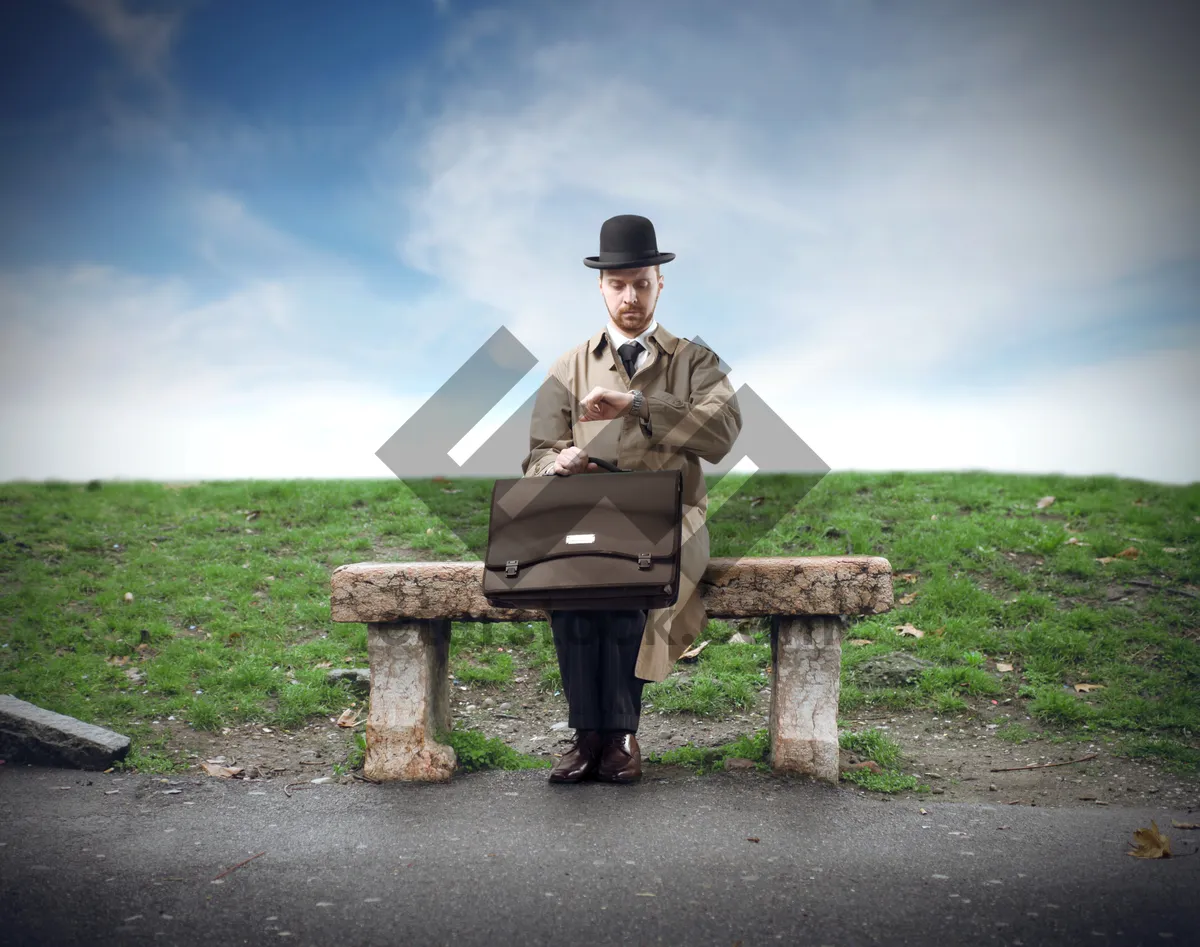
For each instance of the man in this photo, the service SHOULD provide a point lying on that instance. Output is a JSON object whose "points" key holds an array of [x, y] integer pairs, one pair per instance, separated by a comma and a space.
{"points": [[648, 400]]}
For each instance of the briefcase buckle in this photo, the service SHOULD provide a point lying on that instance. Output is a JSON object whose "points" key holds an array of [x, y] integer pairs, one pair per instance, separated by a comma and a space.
{"points": [[510, 568], [643, 560]]}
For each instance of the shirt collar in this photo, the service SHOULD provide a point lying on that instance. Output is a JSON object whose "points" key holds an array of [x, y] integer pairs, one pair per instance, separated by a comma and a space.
{"points": [[655, 332]]}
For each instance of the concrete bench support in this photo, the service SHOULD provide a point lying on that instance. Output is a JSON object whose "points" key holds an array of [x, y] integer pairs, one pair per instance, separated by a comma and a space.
{"points": [[410, 701], [806, 657], [408, 608]]}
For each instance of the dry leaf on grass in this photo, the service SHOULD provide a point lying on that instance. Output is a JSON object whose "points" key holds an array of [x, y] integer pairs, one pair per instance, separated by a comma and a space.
{"points": [[860, 641], [1150, 843], [1086, 688], [1128, 553], [135, 675], [1076, 542], [907, 577], [349, 718], [324, 664], [116, 660], [1044, 502], [1002, 667], [907, 629], [691, 653], [908, 599]]}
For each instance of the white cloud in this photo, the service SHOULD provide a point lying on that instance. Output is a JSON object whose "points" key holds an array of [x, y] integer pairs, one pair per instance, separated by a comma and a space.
{"points": [[862, 221]]}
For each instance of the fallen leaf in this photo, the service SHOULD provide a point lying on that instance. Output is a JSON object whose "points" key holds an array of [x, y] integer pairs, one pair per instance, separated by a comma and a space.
{"points": [[1185, 825], [1150, 843], [1087, 688], [691, 653], [220, 769], [752, 838], [252, 515], [1129, 552], [1139, 502], [1106, 559], [933, 516], [117, 660], [907, 577], [907, 629], [324, 664], [136, 676], [1076, 542], [860, 641], [1002, 667], [1044, 502], [756, 501], [349, 718], [908, 599]]}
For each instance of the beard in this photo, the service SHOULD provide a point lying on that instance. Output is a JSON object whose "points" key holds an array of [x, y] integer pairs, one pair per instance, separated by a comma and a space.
{"points": [[639, 316]]}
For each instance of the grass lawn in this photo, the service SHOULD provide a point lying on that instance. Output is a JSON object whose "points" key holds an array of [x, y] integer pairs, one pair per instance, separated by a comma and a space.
{"points": [[122, 603]]}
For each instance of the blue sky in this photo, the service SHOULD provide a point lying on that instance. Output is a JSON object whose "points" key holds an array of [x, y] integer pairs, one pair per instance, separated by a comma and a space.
{"points": [[249, 240]]}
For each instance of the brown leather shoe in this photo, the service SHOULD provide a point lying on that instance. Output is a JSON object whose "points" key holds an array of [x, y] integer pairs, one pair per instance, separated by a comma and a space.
{"points": [[621, 759], [581, 761]]}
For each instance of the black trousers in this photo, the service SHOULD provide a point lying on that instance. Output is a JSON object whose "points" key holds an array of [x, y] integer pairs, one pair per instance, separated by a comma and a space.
{"points": [[597, 652]]}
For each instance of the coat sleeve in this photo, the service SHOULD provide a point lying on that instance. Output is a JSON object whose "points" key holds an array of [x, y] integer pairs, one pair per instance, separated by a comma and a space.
{"points": [[708, 423], [550, 426]]}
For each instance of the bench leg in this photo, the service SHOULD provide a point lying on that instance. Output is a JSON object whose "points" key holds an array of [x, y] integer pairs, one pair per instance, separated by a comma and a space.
{"points": [[410, 701], [806, 652]]}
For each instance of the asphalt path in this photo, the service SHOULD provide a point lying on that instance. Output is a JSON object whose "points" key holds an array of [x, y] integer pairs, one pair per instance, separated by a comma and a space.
{"points": [[507, 858]]}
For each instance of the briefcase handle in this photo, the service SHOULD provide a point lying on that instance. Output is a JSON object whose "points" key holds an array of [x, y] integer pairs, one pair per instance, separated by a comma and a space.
{"points": [[605, 464]]}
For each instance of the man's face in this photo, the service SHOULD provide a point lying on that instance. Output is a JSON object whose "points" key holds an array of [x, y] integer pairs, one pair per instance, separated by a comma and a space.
{"points": [[631, 296]]}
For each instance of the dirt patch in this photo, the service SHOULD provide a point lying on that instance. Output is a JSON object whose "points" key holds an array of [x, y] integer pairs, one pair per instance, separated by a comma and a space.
{"points": [[963, 749], [263, 752]]}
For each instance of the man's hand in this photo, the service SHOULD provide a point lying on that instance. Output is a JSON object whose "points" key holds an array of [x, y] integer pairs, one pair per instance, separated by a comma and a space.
{"points": [[604, 404], [573, 460]]}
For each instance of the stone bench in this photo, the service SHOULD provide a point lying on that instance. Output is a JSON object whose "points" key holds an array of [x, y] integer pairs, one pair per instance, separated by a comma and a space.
{"points": [[408, 608]]}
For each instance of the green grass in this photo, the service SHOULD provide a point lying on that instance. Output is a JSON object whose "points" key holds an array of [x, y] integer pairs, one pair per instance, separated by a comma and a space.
{"points": [[230, 620]]}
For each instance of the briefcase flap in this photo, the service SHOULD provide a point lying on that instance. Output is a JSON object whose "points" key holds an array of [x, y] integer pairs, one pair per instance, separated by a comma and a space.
{"points": [[626, 515]]}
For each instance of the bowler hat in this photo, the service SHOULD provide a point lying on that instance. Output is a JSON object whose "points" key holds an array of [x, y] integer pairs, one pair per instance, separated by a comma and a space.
{"points": [[627, 242]]}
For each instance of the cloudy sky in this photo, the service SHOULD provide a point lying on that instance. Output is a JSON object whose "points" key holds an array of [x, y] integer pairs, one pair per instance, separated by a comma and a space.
{"points": [[249, 240]]}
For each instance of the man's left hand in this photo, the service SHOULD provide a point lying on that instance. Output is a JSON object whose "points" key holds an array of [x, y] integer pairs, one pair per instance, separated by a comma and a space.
{"points": [[604, 404]]}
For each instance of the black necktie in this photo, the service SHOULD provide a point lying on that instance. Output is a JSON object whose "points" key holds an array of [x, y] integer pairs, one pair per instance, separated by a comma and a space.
{"points": [[629, 355]]}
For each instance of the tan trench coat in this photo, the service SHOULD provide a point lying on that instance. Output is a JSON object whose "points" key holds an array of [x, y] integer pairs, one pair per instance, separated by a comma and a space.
{"points": [[693, 414]]}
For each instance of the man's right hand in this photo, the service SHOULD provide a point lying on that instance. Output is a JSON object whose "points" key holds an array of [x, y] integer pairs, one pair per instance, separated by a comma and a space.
{"points": [[573, 460]]}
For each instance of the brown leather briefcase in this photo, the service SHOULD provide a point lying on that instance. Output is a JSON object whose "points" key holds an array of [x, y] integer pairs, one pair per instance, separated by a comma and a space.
{"points": [[585, 541]]}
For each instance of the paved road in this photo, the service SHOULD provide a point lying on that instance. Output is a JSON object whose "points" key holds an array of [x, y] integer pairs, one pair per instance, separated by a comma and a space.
{"points": [[506, 858]]}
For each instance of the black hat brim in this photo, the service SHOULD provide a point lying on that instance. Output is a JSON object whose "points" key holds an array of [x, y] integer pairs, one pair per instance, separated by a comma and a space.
{"points": [[595, 264]]}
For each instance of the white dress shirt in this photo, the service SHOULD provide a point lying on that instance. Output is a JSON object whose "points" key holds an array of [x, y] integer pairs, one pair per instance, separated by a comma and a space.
{"points": [[619, 338]]}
